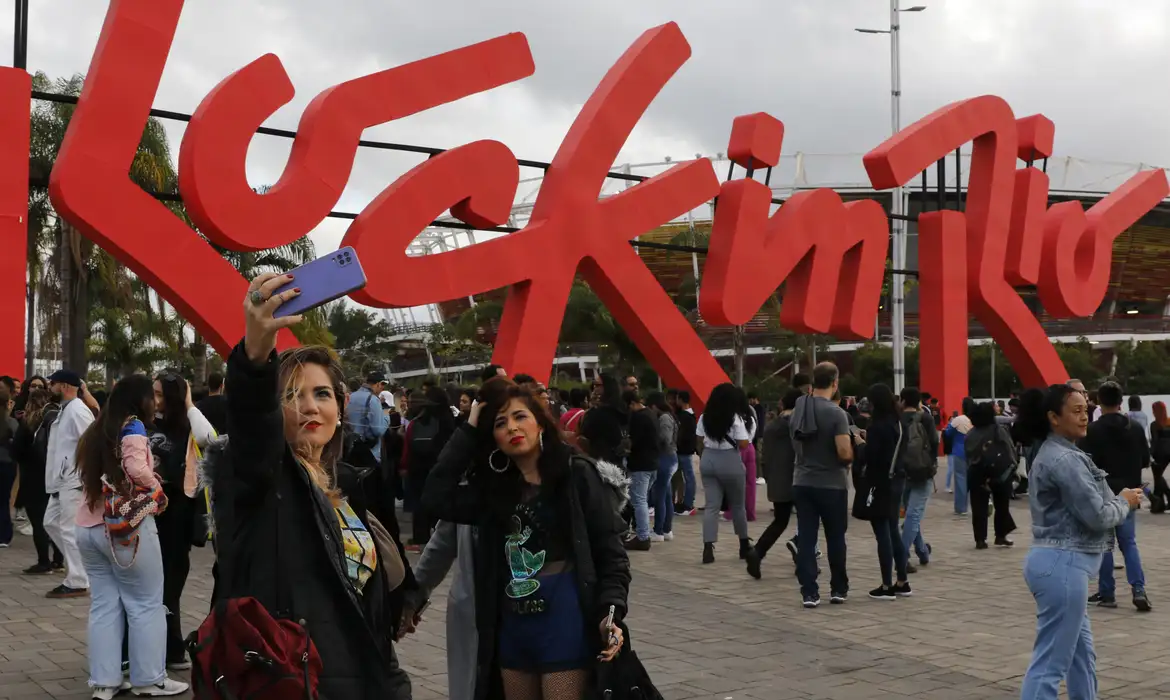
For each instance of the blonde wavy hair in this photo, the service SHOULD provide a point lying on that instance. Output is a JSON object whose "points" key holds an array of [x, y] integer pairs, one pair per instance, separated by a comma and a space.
{"points": [[292, 362]]}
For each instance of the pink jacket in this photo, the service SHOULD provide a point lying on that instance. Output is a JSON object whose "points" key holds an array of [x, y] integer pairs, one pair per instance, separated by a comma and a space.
{"points": [[139, 466]]}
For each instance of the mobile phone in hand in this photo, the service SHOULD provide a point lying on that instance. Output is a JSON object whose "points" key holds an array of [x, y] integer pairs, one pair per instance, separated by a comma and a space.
{"points": [[321, 281]]}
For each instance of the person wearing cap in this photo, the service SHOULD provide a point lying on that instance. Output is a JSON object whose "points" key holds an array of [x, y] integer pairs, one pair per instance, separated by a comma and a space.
{"points": [[366, 419], [61, 480]]}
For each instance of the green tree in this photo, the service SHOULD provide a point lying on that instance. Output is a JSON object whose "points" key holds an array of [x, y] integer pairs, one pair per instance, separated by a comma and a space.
{"points": [[361, 338]]}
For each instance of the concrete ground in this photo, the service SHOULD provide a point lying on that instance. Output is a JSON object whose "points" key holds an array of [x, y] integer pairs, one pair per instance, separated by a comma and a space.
{"points": [[713, 632]]}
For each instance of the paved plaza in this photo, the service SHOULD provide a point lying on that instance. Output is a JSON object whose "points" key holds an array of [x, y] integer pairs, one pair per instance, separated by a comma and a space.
{"points": [[713, 632]]}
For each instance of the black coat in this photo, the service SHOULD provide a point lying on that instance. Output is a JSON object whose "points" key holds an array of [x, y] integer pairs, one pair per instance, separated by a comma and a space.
{"points": [[286, 543], [599, 560], [884, 471]]}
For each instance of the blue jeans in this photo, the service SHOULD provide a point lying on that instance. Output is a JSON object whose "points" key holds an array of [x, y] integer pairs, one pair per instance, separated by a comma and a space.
{"points": [[663, 506], [686, 463], [950, 469], [120, 596], [640, 485], [1059, 581], [917, 494], [1127, 543], [961, 497]]}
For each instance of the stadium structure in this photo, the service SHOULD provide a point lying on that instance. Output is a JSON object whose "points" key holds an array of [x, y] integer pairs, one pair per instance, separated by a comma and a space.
{"points": [[1136, 307]]}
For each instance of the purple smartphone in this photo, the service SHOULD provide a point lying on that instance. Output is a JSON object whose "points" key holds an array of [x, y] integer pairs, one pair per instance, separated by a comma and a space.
{"points": [[322, 281]]}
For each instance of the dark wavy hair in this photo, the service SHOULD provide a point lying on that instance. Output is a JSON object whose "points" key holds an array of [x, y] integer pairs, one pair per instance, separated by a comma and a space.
{"points": [[174, 409], [722, 407], [506, 489], [97, 452], [883, 405], [1036, 404]]}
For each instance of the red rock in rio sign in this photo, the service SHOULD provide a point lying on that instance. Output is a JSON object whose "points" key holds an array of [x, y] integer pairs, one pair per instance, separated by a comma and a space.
{"points": [[831, 254]]}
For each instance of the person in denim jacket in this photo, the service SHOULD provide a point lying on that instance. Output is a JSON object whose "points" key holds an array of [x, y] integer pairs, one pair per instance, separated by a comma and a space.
{"points": [[1074, 513]]}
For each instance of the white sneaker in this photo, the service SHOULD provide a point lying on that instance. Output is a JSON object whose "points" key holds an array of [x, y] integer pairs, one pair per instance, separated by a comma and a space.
{"points": [[657, 538], [166, 688], [25, 529], [668, 536], [21, 516], [950, 490], [104, 693], [760, 481]]}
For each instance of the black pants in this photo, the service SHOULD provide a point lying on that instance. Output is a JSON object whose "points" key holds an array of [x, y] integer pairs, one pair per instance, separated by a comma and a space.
{"points": [[814, 507], [781, 515], [1001, 496], [175, 531], [891, 555], [1160, 500], [34, 507]]}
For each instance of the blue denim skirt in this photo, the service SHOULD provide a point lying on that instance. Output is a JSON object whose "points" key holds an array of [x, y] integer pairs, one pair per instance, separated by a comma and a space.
{"points": [[545, 632]]}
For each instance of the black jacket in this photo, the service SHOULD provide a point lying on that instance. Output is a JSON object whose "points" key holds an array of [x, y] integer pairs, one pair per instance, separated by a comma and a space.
{"points": [[599, 560], [286, 543], [643, 442], [688, 442], [1118, 446], [884, 471]]}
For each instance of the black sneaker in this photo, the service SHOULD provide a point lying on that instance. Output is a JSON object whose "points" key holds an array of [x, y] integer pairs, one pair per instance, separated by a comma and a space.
{"points": [[902, 590], [753, 563], [1141, 602], [981, 545], [64, 591], [838, 598], [883, 593], [812, 601], [791, 545], [1103, 601], [57, 566], [709, 553], [38, 570], [636, 545], [1003, 542]]}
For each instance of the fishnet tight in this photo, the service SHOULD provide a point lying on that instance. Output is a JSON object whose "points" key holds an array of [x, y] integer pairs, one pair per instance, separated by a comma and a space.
{"points": [[564, 685]]}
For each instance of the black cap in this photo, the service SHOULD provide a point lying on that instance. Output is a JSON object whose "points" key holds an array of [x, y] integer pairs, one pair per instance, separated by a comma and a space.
{"points": [[66, 376], [375, 377]]}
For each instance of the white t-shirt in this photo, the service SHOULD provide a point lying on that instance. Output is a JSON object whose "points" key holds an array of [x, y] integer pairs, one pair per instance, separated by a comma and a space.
{"points": [[738, 432]]}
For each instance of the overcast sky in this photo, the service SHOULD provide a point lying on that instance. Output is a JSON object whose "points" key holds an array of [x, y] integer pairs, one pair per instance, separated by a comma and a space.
{"points": [[1097, 68]]}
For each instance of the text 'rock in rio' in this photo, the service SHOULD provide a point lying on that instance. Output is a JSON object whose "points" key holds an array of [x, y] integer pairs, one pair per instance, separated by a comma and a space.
{"points": [[830, 254]]}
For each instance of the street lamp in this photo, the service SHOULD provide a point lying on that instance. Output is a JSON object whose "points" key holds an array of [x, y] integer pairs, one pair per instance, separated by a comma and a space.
{"points": [[898, 320]]}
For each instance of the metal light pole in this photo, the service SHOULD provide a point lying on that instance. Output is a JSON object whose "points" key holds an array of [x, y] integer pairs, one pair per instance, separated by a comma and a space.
{"points": [[897, 208]]}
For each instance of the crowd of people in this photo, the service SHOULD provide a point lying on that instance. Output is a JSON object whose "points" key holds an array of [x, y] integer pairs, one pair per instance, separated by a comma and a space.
{"points": [[535, 498]]}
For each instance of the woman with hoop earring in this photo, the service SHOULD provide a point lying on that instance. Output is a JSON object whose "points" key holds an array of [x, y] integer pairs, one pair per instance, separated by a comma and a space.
{"points": [[549, 560]]}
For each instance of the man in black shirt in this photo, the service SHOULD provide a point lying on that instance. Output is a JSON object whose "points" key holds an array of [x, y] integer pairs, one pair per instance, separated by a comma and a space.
{"points": [[1118, 446], [642, 465], [214, 407]]}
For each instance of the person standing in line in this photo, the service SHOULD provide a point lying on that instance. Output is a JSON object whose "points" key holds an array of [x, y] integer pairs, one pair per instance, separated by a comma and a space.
{"points": [[883, 484], [1118, 446], [921, 464], [642, 465], [425, 438], [957, 431], [667, 465], [820, 484], [721, 467], [992, 460], [1073, 513], [8, 428], [61, 480], [687, 446], [30, 446], [1160, 457], [1137, 415], [779, 459]]}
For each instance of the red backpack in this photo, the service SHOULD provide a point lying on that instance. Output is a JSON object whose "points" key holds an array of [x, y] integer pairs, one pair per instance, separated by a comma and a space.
{"points": [[244, 652]]}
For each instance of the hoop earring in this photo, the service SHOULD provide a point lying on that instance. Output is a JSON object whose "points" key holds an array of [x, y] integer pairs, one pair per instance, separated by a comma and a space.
{"points": [[542, 441], [492, 462]]}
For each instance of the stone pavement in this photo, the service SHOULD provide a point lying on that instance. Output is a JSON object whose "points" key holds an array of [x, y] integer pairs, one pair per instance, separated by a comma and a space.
{"points": [[713, 632]]}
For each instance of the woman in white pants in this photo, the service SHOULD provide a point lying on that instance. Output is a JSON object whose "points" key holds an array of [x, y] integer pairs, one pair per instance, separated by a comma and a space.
{"points": [[125, 571]]}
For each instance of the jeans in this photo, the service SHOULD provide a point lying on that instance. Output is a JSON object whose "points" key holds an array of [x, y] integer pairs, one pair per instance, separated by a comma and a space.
{"points": [[917, 494], [891, 556], [960, 465], [640, 485], [7, 478], [1059, 581], [686, 464], [132, 595], [61, 524], [1127, 543], [950, 469], [663, 508], [814, 507], [722, 474]]}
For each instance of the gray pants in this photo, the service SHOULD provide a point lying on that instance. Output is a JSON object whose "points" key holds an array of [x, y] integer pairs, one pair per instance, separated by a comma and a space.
{"points": [[723, 474]]}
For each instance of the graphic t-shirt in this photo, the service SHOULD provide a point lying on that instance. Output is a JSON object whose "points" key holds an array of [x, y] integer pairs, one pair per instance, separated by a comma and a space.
{"points": [[536, 540], [361, 557]]}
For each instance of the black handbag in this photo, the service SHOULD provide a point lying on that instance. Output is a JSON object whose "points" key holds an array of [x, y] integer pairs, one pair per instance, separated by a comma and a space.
{"points": [[624, 678]]}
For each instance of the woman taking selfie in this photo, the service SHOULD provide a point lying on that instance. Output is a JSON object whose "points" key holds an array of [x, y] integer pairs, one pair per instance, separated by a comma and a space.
{"points": [[125, 571], [302, 542], [1074, 513], [549, 560]]}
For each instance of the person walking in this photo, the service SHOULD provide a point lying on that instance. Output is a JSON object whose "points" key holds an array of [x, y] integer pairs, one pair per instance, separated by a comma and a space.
{"points": [[642, 466], [883, 484], [778, 464], [125, 570], [723, 435], [61, 480], [921, 464], [820, 484], [1074, 513], [991, 461], [1119, 447], [956, 431], [1160, 457]]}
